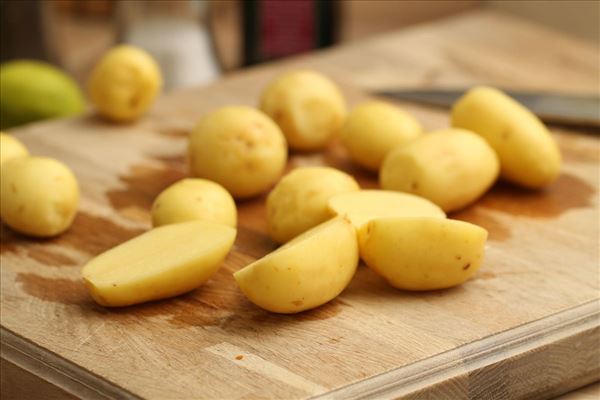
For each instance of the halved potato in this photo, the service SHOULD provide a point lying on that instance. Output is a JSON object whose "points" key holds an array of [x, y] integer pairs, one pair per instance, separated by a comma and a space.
{"points": [[362, 206], [305, 273], [163, 262], [422, 253]]}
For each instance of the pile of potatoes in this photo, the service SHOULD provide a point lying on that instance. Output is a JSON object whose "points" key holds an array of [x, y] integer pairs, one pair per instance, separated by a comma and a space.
{"points": [[323, 220]]}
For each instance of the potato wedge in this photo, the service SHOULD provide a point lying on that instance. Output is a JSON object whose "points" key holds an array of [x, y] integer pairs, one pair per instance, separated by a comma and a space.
{"points": [[362, 206], [422, 253], [305, 273], [163, 262], [528, 154]]}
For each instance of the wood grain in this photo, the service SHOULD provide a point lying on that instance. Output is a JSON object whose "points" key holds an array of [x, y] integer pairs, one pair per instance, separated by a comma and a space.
{"points": [[525, 327]]}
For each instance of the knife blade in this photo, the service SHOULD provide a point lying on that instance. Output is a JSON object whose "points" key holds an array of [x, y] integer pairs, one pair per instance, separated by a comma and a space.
{"points": [[578, 110]]}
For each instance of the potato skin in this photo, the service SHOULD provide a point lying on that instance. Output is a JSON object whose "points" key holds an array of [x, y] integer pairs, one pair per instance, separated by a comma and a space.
{"points": [[194, 199], [373, 129], [422, 253], [299, 201], [451, 167], [124, 83], [306, 272], [307, 106], [528, 154], [238, 147], [11, 147], [39, 196]]}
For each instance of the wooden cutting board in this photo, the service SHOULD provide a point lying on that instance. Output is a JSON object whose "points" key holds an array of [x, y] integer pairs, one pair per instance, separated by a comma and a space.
{"points": [[526, 325]]}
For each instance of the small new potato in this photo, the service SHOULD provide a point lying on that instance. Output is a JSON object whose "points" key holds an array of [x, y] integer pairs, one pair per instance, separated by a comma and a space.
{"points": [[299, 201], [240, 148], [163, 262], [305, 273], [528, 154], [451, 167], [124, 84], [362, 206], [11, 147], [374, 128], [422, 253], [39, 196], [307, 106], [194, 199]]}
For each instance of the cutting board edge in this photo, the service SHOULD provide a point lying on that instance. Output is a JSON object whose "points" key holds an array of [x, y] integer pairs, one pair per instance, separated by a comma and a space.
{"points": [[56, 370], [452, 372]]}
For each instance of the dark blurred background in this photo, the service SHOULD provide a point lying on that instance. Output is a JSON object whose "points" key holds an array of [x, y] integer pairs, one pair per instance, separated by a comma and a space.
{"points": [[195, 41]]}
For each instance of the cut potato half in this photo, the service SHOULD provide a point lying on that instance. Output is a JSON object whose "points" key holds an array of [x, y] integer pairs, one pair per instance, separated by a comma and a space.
{"points": [[305, 273], [163, 262], [365, 205], [422, 253]]}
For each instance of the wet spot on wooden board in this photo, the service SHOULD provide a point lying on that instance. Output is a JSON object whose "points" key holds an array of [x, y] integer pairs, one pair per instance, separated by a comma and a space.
{"points": [[567, 193], [496, 230], [56, 290], [142, 183], [89, 233]]}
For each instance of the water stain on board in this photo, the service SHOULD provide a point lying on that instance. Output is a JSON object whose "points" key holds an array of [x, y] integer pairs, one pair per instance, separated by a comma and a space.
{"points": [[496, 230], [56, 290], [89, 233], [142, 183], [567, 193]]}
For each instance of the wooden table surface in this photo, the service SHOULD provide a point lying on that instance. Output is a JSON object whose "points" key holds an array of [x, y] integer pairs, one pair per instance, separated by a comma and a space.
{"points": [[528, 325]]}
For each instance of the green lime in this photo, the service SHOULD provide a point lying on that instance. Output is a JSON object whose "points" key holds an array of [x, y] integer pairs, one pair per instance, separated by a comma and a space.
{"points": [[33, 91]]}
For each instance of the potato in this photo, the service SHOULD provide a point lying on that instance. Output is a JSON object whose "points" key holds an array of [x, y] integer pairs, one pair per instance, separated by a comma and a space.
{"points": [[365, 205], [194, 199], [307, 106], [528, 154], [305, 273], [11, 147], [39, 196], [451, 167], [124, 84], [163, 262], [240, 148], [422, 253], [299, 201], [374, 128]]}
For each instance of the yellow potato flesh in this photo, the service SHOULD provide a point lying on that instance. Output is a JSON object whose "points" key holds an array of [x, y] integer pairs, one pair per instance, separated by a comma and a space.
{"points": [[124, 83], [375, 128], [365, 205], [307, 106], [451, 167], [299, 201], [240, 148], [11, 147], [528, 154], [422, 253], [194, 199], [306, 272], [163, 262], [38, 196]]}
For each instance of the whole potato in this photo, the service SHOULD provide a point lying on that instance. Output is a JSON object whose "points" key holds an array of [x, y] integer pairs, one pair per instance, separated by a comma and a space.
{"points": [[124, 83], [451, 167], [306, 272], [39, 196], [374, 128], [240, 148], [422, 253], [528, 154], [299, 201], [194, 199], [307, 106], [11, 147]]}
